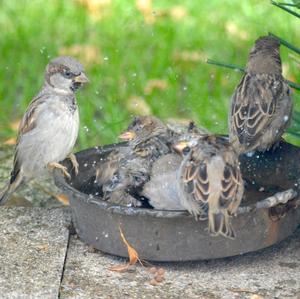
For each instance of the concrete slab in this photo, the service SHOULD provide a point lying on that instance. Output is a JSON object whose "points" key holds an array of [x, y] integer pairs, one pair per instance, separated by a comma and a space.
{"points": [[33, 246], [271, 273]]}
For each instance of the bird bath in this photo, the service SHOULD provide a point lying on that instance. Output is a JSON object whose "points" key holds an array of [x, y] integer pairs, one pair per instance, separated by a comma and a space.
{"points": [[175, 235]]}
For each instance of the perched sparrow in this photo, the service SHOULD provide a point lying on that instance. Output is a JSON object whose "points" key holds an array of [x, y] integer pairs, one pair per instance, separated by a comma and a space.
{"points": [[49, 127], [147, 140], [210, 181], [261, 105]]}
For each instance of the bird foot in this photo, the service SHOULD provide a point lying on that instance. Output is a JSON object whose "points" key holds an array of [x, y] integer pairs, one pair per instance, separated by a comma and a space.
{"points": [[74, 162], [54, 165]]}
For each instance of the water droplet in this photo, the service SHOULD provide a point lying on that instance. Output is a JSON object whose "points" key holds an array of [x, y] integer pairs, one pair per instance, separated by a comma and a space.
{"points": [[42, 49], [250, 154]]}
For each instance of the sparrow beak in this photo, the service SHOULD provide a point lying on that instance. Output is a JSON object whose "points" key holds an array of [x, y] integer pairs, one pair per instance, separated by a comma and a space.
{"points": [[128, 135], [82, 79], [180, 146]]}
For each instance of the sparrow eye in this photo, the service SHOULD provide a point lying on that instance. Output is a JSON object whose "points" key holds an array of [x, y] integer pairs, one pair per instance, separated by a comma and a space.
{"points": [[186, 150], [67, 74]]}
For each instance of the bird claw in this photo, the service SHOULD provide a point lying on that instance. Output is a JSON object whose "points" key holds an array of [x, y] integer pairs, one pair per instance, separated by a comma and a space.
{"points": [[54, 165], [74, 162]]}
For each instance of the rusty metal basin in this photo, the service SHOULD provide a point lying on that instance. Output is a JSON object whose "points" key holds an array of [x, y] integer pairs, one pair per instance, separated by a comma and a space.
{"points": [[167, 235]]}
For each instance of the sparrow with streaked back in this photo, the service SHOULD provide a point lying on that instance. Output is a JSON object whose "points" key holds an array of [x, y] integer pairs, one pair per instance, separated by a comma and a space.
{"points": [[210, 181], [261, 105], [49, 127]]}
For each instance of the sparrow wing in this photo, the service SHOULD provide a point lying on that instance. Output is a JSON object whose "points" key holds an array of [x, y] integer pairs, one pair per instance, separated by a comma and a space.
{"points": [[231, 184], [254, 106], [27, 124], [195, 180]]}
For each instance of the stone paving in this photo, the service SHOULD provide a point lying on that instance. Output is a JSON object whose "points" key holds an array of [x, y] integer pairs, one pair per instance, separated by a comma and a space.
{"points": [[40, 259]]}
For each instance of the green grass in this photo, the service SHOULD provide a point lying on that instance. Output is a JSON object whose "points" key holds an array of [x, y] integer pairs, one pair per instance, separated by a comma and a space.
{"points": [[133, 52]]}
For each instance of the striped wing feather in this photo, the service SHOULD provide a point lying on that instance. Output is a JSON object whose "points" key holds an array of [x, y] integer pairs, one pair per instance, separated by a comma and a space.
{"points": [[254, 106]]}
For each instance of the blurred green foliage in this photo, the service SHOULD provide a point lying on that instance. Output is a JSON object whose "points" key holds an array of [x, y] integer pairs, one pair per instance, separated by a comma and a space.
{"points": [[124, 44]]}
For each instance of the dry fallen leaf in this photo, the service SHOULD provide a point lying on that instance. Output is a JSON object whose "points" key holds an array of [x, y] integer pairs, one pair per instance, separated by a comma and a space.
{"points": [[119, 268], [15, 124], [178, 12], [95, 8], [42, 247], [155, 84], [87, 54], [10, 141], [138, 105], [158, 274], [63, 199], [132, 253], [145, 7], [233, 29], [189, 56], [18, 201]]}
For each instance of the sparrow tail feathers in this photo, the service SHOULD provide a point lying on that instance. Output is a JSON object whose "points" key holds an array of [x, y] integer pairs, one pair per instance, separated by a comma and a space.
{"points": [[10, 187], [219, 224]]}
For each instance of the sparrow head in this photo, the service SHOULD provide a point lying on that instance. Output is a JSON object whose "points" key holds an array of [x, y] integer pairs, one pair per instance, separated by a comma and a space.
{"points": [[210, 142], [65, 74], [143, 128], [264, 56], [185, 143]]}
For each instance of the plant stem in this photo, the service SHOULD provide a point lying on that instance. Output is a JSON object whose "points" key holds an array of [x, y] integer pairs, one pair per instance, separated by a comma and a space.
{"points": [[285, 43], [241, 69], [286, 9]]}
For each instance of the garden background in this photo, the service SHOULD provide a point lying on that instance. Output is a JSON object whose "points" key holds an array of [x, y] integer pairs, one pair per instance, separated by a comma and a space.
{"points": [[142, 57]]}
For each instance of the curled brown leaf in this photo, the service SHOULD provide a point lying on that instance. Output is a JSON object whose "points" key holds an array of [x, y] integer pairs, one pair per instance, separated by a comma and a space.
{"points": [[87, 54], [153, 84]]}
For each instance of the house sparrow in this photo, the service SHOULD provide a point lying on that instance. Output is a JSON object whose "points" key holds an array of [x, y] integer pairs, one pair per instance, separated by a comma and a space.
{"points": [[210, 181], [147, 140], [49, 127], [261, 105], [110, 185]]}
